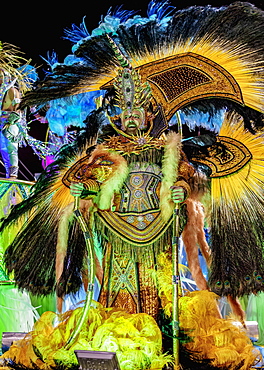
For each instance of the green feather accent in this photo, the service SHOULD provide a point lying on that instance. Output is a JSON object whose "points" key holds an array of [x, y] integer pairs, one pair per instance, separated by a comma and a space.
{"points": [[170, 164]]}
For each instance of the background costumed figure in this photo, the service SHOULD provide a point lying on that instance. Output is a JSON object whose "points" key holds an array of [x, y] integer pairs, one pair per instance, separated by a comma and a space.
{"points": [[9, 148], [16, 77], [192, 65], [13, 83]]}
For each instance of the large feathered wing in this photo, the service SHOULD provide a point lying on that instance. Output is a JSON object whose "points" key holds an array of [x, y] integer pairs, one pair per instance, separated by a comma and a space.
{"points": [[237, 209], [32, 254], [48, 253]]}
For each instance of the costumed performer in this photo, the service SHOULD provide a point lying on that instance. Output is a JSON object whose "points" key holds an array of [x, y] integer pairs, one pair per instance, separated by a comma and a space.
{"points": [[13, 83], [9, 130], [134, 176], [163, 61]]}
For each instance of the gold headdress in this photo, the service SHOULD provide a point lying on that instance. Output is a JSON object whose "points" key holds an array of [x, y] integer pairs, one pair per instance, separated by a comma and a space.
{"points": [[133, 94]]}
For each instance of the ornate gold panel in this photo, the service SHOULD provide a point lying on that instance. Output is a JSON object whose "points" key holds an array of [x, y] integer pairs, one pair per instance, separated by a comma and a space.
{"points": [[182, 79], [233, 156]]}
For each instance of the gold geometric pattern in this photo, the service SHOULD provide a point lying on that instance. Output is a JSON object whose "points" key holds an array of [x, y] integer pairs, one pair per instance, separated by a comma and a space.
{"points": [[123, 280], [130, 286], [119, 225], [176, 81], [227, 161], [184, 78], [98, 168]]}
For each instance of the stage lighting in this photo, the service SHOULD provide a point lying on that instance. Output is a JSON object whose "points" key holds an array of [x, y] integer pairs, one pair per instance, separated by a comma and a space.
{"points": [[97, 360]]}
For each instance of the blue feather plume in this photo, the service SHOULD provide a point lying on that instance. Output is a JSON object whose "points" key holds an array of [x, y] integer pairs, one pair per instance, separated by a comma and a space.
{"points": [[76, 33], [160, 9], [121, 14], [51, 59]]}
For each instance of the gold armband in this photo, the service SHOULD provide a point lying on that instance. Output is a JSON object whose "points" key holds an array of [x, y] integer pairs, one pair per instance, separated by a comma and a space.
{"points": [[186, 171]]}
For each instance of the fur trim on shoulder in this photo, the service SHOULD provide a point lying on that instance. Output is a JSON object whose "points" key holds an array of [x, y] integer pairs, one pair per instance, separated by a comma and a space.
{"points": [[170, 164], [118, 174]]}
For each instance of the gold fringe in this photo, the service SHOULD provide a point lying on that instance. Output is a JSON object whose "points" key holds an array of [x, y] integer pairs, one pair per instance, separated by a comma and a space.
{"points": [[137, 254]]}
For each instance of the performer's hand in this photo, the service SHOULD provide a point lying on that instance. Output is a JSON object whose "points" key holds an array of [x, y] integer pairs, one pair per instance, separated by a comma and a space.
{"points": [[76, 189], [177, 194]]}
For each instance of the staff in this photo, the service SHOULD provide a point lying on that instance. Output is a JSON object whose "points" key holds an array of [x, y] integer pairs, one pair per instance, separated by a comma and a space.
{"points": [[91, 272], [177, 198]]}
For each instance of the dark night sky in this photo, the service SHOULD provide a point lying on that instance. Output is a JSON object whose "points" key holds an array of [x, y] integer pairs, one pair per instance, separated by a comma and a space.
{"points": [[39, 29]]}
